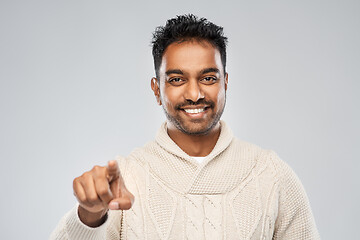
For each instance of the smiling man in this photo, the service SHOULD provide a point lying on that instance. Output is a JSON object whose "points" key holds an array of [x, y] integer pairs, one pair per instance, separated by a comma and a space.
{"points": [[195, 180], [191, 87]]}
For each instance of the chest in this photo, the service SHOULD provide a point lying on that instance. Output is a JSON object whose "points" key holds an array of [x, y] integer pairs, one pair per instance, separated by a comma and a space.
{"points": [[248, 211]]}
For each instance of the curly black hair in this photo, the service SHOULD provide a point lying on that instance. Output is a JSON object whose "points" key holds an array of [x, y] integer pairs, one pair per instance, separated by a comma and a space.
{"points": [[183, 28]]}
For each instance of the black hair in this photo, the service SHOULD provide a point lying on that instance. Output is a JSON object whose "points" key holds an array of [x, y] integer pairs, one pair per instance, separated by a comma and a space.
{"points": [[183, 28]]}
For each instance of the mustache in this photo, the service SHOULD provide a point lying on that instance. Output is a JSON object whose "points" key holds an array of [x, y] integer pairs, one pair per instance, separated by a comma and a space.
{"points": [[191, 103]]}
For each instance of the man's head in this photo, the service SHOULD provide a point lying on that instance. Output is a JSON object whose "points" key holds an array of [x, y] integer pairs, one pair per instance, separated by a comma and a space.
{"points": [[183, 28], [190, 55]]}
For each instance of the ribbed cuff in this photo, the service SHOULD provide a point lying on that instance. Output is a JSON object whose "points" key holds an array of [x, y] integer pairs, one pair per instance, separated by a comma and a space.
{"points": [[79, 231]]}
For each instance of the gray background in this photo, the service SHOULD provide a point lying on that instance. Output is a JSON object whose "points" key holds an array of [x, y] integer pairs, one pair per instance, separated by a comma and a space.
{"points": [[75, 92]]}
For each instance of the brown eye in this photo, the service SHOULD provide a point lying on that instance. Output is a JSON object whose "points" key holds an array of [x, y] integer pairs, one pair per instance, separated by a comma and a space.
{"points": [[176, 81], [209, 80]]}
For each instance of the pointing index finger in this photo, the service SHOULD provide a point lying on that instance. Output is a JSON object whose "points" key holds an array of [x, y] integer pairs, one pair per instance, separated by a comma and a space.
{"points": [[113, 170]]}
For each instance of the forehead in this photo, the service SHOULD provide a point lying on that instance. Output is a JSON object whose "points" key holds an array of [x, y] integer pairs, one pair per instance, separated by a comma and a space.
{"points": [[191, 56]]}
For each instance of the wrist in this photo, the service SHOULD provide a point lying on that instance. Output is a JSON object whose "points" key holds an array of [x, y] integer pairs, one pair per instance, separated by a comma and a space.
{"points": [[92, 219]]}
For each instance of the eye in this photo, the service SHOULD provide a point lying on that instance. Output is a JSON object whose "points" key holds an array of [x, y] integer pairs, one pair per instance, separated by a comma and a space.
{"points": [[176, 81], [209, 80]]}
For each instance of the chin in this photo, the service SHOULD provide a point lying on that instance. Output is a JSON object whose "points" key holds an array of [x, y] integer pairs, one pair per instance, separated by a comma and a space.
{"points": [[196, 128], [193, 127]]}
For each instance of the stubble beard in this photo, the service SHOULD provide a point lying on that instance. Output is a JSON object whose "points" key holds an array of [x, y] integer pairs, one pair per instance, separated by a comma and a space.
{"points": [[178, 122]]}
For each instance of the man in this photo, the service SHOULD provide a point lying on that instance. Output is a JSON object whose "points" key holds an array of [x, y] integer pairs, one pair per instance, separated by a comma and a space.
{"points": [[195, 181]]}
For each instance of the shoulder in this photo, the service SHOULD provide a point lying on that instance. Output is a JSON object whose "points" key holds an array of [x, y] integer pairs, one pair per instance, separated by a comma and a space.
{"points": [[284, 172], [264, 157], [264, 161], [253, 154]]}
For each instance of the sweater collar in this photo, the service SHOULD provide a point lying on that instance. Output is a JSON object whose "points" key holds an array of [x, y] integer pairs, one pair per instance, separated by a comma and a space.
{"points": [[164, 140], [231, 161]]}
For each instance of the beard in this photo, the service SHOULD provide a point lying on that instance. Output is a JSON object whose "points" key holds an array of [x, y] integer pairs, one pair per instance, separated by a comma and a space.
{"points": [[197, 126]]}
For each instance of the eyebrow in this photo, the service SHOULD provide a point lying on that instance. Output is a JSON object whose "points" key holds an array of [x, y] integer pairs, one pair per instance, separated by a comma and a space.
{"points": [[204, 71], [210, 70], [174, 71]]}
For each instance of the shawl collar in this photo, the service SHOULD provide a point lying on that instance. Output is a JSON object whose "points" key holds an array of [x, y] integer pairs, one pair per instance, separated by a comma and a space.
{"points": [[228, 164], [225, 138]]}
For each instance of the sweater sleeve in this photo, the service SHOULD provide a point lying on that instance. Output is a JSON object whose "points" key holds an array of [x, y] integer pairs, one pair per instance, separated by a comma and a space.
{"points": [[71, 227], [295, 219]]}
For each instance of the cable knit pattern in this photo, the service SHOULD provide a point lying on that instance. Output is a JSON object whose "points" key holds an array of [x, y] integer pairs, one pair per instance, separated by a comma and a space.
{"points": [[161, 206], [213, 208], [246, 208], [194, 216], [239, 191]]}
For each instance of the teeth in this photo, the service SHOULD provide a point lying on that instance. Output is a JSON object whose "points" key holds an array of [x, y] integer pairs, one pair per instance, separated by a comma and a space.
{"points": [[197, 110]]}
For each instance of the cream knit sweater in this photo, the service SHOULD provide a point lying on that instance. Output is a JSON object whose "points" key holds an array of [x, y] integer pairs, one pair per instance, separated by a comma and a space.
{"points": [[239, 191]]}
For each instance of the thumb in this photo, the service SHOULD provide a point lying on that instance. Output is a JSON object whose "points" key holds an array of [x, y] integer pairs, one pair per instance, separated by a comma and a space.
{"points": [[123, 198], [122, 203]]}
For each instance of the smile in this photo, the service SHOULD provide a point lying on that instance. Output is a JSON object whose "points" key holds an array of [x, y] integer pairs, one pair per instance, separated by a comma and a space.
{"points": [[195, 110]]}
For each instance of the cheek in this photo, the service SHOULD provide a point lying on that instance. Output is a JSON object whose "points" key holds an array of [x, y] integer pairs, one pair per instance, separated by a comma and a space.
{"points": [[221, 96], [221, 100], [170, 96], [217, 95]]}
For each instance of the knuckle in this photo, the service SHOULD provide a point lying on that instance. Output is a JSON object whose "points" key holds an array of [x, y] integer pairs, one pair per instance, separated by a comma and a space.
{"points": [[93, 199], [76, 183], [85, 175], [82, 199], [96, 168], [76, 180], [99, 170], [103, 191]]}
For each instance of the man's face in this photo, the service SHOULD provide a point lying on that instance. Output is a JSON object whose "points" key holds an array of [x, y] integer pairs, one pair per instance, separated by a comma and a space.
{"points": [[192, 87]]}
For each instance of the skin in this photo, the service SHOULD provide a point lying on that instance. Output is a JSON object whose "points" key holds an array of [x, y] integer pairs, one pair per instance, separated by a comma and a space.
{"points": [[98, 190], [191, 77]]}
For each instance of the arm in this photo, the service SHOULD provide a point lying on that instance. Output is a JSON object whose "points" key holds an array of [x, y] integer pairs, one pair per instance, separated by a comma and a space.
{"points": [[295, 219]]}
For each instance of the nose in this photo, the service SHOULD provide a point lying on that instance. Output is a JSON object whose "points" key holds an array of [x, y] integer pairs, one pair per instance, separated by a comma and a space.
{"points": [[193, 91]]}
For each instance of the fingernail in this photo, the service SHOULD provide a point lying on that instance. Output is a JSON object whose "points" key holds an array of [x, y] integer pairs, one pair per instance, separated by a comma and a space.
{"points": [[114, 205]]}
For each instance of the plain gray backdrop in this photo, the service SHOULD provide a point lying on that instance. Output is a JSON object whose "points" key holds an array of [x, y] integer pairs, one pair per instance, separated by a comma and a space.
{"points": [[75, 92]]}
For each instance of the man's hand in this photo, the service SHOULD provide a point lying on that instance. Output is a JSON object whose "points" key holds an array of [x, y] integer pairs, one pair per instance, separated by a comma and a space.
{"points": [[98, 190]]}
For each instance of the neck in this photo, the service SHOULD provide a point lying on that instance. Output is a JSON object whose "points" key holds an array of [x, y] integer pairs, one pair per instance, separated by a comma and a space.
{"points": [[195, 145]]}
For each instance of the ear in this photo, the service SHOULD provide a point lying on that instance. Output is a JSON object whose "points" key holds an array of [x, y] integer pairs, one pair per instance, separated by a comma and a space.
{"points": [[226, 80], [156, 89]]}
